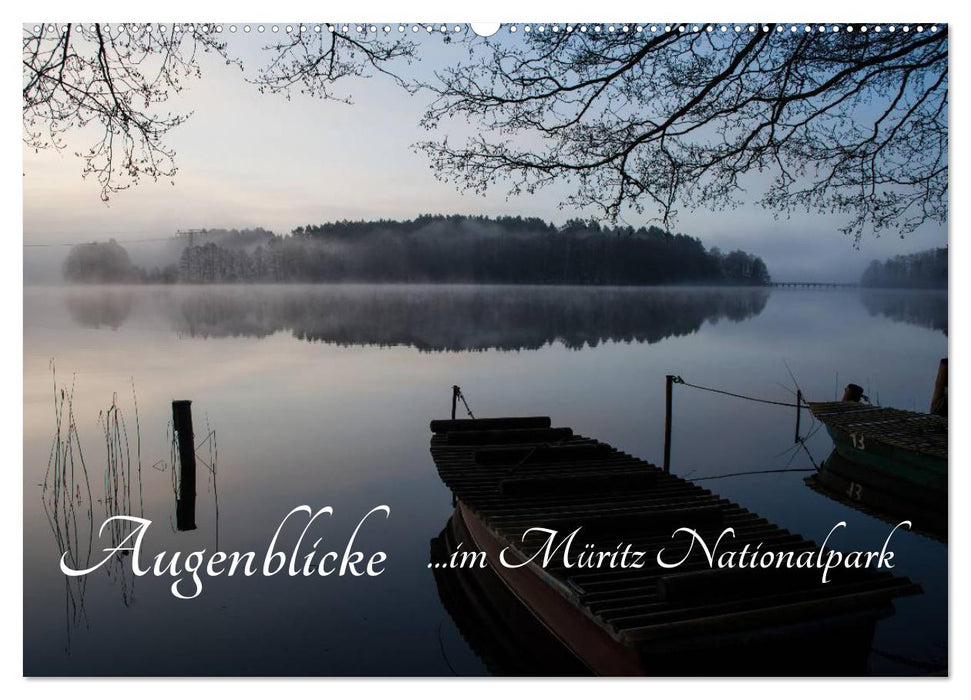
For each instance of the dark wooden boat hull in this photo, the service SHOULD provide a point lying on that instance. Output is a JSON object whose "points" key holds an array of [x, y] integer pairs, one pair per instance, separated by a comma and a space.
{"points": [[834, 646], [502, 632]]}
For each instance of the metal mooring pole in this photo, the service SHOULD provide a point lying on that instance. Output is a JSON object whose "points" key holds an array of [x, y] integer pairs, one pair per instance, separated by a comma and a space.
{"points": [[668, 387]]}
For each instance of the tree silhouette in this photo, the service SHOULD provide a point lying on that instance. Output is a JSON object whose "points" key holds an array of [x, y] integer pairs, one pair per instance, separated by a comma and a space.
{"points": [[851, 121], [113, 80], [926, 269], [99, 263], [465, 249], [110, 83], [312, 61]]}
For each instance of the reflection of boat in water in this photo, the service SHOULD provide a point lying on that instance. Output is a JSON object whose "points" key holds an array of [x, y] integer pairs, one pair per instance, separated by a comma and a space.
{"points": [[510, 475], [889, 462], [497, 626]]}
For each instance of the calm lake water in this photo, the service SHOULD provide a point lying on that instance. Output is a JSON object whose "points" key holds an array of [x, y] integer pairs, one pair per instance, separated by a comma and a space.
{"points": [[322, 396]]}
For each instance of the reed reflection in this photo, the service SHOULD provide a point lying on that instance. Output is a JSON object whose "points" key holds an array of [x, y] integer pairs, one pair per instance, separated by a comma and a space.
{"points": [[67, 501], [119, 484], [69, 497]]}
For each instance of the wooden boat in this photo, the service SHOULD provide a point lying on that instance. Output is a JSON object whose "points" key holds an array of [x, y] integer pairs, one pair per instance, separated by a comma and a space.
{"points": [[900, 444], [512, 474], [886, 461]]}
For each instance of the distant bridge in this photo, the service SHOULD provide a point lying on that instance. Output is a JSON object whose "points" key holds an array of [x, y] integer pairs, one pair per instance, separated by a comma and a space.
{"points": [[819, 285]]}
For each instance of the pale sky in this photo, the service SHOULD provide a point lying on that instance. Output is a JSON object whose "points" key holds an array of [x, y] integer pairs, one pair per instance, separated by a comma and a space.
{"points": [[247, 159]]}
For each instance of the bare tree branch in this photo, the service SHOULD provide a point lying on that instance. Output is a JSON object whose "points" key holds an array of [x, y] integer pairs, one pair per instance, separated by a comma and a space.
{"points": [[312, 61], [111, 81], [848, 122]]}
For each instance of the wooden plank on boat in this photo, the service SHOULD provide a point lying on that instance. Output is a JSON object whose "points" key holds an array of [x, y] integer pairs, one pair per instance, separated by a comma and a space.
{"points": [[548, 454], [451, 426], [862, 424], [636, 522], [597, 482], [508, 437]]}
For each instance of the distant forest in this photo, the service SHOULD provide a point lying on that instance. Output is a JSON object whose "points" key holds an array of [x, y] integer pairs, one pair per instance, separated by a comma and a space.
{"points": [[447, 249], [924, 270]]}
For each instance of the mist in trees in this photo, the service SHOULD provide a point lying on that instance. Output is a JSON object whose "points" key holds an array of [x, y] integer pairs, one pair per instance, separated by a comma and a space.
{"points": [[433, 248], [468, 249], [924, 270], [100, 263]]}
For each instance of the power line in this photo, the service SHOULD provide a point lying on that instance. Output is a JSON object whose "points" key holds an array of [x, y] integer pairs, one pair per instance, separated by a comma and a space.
{"points": [[135, 240]]}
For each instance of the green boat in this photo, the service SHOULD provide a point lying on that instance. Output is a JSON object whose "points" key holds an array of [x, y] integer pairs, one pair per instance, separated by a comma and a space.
{"points": [[904, 444], [890, 462]]}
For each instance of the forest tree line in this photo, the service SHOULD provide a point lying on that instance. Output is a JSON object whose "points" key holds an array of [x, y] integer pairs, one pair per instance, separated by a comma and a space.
{"points": [[924, 270], [438, 249]]}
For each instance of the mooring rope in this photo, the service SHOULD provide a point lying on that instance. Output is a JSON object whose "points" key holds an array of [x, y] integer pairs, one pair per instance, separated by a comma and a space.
{"points": [[800, 440], [679, 380], [802, 444], [757, 471]]}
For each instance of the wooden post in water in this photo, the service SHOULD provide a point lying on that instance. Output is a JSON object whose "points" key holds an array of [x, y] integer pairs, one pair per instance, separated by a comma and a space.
{"points": [[798, 412], [939, 399], [455, 398], [185, 505], [668, 387]]}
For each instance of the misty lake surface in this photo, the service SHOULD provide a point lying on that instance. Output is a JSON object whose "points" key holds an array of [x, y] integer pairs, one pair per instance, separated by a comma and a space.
{"points": [[322, 395]]}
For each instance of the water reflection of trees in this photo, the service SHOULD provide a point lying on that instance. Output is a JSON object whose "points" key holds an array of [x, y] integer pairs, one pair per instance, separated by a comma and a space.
{"points": [[457, 318], [101, 309], [924, 308]]}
